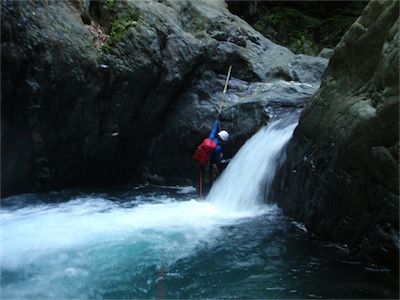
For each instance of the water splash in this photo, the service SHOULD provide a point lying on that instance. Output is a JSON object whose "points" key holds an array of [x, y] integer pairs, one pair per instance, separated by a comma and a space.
{"points": [[89, 245], [92, 247], [247, 178]]}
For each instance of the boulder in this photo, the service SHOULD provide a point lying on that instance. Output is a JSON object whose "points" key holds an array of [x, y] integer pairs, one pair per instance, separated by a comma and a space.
{"points": [[342, 170]]}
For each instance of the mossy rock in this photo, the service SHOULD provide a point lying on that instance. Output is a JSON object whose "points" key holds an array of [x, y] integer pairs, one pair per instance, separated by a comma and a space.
{"points": [[119, 28]]}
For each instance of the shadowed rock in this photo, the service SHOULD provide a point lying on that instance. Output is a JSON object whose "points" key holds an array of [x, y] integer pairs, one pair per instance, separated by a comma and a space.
{"points": [[342, 171], [90, 87]]}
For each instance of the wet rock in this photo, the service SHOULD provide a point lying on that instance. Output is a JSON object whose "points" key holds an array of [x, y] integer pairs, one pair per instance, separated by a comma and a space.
{"points": [[326, 53], [111, 100], [246, 108], [33, 86], [345, 184], [307, 69]]}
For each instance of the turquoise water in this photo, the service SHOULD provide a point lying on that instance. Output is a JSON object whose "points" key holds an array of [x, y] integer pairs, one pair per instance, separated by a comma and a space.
{"points": [[152, 242], [161, 243]]}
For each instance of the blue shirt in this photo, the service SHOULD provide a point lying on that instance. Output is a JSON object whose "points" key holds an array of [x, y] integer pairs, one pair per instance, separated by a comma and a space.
{"points": [[216, 155]]}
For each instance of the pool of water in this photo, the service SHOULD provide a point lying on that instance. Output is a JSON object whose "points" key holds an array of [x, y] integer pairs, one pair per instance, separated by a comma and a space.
{"points": [[159, 242]]}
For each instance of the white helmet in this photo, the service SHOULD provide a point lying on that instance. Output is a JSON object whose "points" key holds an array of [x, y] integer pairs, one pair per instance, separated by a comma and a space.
{"points": [[224, 135]]}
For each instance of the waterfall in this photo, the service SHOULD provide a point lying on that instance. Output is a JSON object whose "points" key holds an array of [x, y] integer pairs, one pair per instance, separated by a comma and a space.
{"points": [[247, 178]]}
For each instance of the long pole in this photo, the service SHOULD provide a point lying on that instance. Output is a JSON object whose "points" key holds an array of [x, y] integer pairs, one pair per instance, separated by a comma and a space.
{"points": [[225, 89]]}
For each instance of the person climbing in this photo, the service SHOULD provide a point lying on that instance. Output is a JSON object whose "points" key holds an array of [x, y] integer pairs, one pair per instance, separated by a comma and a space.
{"points": [[210, 157], [209, 153], [223, 136]]}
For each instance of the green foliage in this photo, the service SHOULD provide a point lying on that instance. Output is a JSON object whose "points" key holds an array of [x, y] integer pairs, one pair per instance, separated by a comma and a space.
{"points": [[287, 17], [307, 27], [291, 27], [81, 5], [119, 27], [117, 19], [110, 5], [303, 42]]}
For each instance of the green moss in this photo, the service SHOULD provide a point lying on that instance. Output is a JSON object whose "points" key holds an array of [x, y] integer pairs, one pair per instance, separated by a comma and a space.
{"points": [[119, 27]]}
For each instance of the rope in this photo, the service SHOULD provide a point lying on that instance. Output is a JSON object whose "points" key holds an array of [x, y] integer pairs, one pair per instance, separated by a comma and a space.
{"points": [[201, 184], [225, 89]]}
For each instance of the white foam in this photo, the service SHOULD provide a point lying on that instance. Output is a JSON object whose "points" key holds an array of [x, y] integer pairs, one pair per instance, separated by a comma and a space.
{"points": [[72, 242], [61, 243], [246, 180], [34, 232]]}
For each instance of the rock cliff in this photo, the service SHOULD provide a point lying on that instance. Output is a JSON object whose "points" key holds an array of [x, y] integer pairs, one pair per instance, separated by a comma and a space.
{"points": [[341, 177], [106, 92]]}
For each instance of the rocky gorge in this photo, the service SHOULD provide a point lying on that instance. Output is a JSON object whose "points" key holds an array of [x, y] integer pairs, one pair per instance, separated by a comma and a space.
{"points": [[77, 110], [102, 93]]}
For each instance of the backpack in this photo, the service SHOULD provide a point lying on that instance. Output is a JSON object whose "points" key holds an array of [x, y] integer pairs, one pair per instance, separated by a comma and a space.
{"points": [[203, 151]]}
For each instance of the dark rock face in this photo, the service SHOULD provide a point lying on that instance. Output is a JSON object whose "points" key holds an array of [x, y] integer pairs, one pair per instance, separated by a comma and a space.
{"points": [[341, 177], [78, 109]]}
